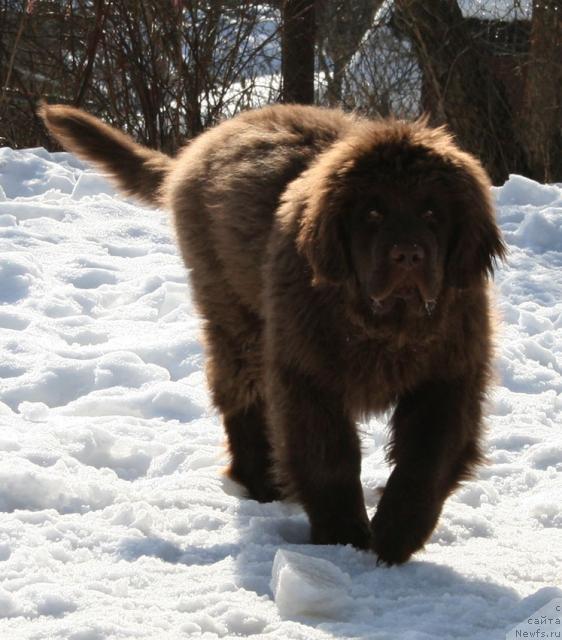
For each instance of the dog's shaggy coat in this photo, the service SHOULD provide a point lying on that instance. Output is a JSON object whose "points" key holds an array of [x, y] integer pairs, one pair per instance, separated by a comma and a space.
{"points": [[341, 267]]}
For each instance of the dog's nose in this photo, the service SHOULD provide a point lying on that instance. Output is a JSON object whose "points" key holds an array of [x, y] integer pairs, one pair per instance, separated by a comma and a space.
{"points": [[407, 256]]}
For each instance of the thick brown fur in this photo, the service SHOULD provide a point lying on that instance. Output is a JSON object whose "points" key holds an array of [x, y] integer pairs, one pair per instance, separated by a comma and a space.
{"points": [[341, 267]]}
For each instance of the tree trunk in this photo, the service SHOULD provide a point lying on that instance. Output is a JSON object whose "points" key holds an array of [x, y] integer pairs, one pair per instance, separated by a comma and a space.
{"points": [[541, 118], [297, 56]]}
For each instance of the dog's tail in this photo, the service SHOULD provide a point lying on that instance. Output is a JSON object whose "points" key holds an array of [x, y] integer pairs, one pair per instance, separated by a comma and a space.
{"points": [[137, 170]]}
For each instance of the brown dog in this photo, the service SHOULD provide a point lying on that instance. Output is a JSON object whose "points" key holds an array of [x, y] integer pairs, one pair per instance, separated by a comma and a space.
{"points": [[341, 267]]}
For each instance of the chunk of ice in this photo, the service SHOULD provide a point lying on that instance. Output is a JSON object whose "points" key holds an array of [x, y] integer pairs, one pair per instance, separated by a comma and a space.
{"points": [[306, 586]]}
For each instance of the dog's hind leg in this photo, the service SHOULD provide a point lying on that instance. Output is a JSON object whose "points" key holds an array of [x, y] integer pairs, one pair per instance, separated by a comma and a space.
{"points": [[251, 452], [234, 372]]}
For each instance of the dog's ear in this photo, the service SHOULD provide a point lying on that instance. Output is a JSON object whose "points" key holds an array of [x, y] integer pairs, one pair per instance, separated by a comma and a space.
{"points": [[476, 243], [323, 237], [322, 240]]}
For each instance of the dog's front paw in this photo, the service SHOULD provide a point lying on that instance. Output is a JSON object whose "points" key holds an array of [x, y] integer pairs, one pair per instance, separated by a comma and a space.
{"points": [[354, 531], [401, 527]]}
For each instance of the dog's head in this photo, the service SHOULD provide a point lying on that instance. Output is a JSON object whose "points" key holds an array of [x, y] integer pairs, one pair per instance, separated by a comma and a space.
{"points": [[402, 213]]}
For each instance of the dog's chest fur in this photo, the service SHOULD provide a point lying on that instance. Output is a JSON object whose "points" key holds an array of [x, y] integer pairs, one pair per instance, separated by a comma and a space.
{"points": [[378, 371]]}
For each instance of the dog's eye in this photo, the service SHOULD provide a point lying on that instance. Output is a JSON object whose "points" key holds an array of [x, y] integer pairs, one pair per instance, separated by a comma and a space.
{"points": [[376, 215], [428, 215]]}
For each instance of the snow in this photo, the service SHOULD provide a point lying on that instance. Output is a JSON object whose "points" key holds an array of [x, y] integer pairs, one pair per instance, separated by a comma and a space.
{"points": [[497, 9], [506, 10], [115, 518]]}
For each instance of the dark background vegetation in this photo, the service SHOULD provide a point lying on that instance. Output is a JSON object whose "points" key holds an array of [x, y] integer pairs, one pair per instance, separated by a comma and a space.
{"points": [[164, 70]]}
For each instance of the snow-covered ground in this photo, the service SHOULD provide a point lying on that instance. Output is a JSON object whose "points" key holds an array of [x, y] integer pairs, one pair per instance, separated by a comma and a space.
{"points": [[115, 520]]}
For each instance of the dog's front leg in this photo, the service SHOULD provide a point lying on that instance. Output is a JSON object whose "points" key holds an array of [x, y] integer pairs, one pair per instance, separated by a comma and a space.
{"points": [[435, 445], [318, 456]]}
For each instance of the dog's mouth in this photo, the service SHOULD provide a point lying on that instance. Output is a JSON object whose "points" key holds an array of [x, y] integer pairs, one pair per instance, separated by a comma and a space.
{"points": [[414, 295], [406, 292]]}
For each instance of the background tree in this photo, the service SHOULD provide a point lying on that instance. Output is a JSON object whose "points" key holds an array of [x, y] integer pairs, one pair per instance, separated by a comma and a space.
{"points": [[165, 70], [298, 51], [540, 122], [497, 84], [342, 25]]}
